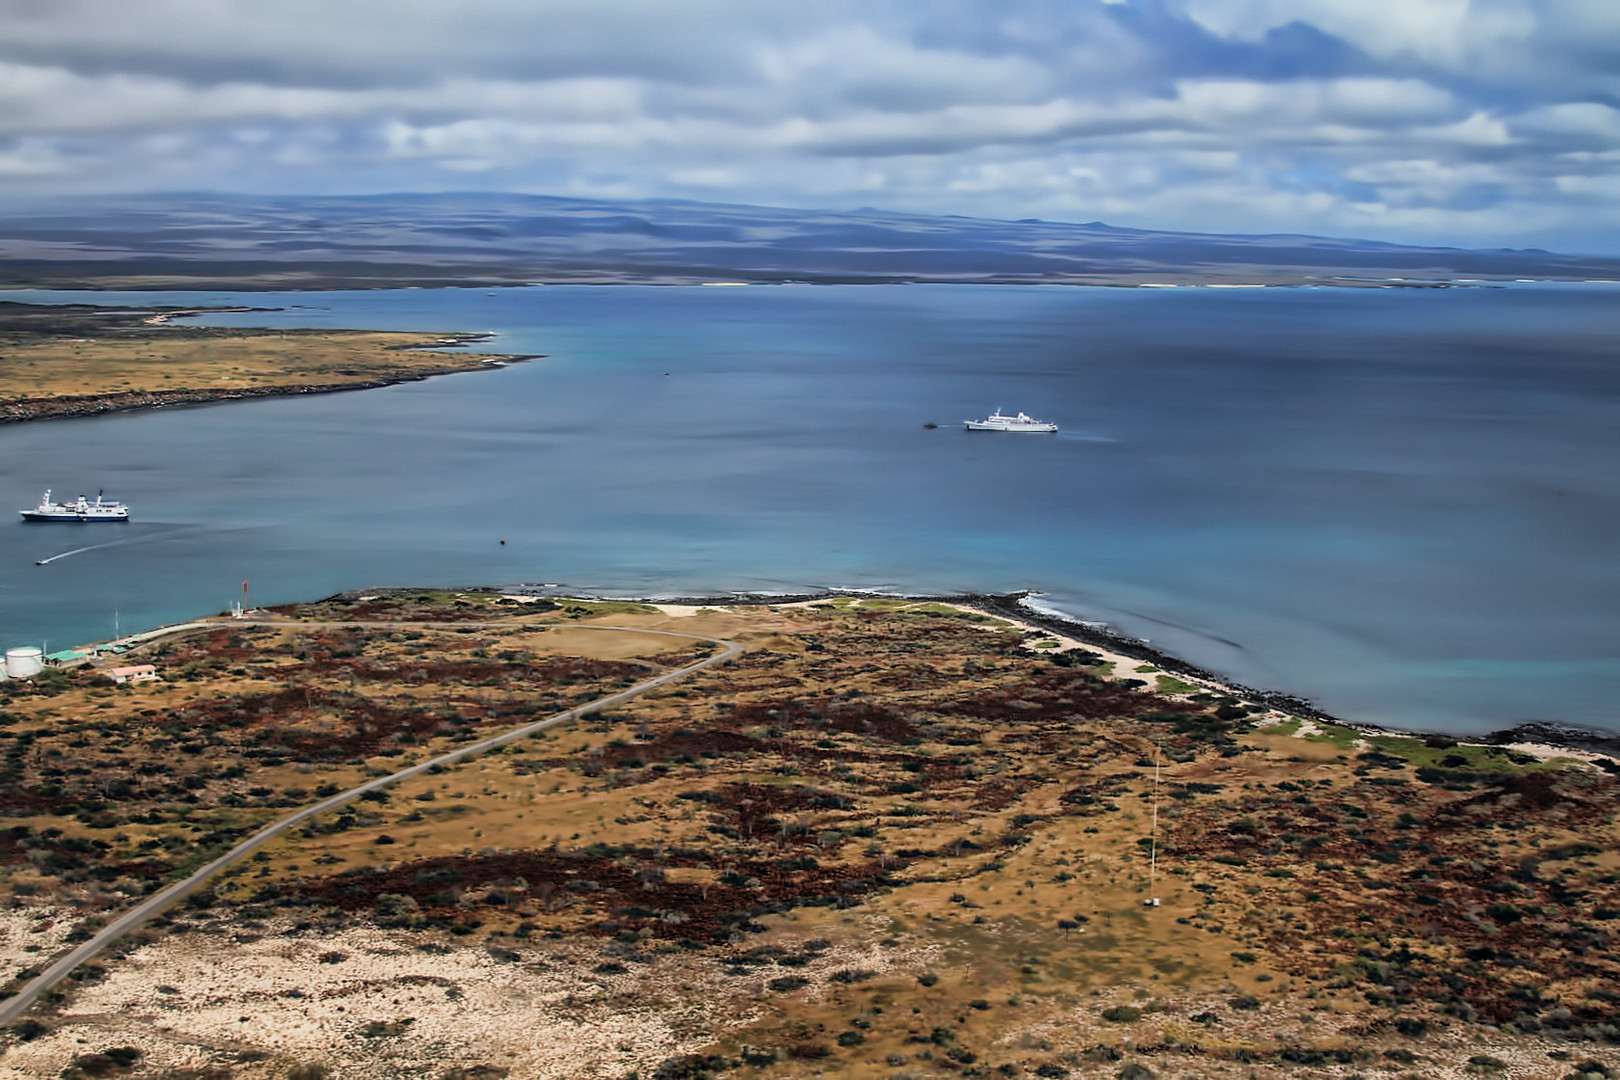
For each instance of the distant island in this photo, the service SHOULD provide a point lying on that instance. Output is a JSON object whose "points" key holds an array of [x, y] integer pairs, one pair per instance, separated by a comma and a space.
{"points": [[244, 242], [60, 361]]}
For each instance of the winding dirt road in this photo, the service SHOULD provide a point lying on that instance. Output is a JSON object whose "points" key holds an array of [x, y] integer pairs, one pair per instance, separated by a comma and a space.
{"points": [[164, 898]]}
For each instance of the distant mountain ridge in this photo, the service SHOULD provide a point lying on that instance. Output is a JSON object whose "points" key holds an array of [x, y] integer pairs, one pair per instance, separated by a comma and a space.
{"points": [[265, 242]]}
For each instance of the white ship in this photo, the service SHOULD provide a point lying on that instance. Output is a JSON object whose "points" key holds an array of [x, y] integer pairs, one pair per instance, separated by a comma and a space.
{"points": [[81, 509], [996, 421]]}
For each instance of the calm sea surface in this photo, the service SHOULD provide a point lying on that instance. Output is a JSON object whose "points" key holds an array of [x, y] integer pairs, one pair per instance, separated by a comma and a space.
{"points": [[1403, 504]]}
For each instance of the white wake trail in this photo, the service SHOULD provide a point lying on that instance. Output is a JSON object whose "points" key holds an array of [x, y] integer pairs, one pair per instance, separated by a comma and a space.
{"points": [[115, 543]]}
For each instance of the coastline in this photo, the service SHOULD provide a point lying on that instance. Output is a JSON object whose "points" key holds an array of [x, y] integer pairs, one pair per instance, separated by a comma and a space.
{"points": [[91, 360], [1536, 736], [879, 797], [68, 406], [73, 406]]}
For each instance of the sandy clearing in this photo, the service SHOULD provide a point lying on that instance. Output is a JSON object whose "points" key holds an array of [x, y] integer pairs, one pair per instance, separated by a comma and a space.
{"points": [[546, 1015], [542, 1010], [31, 937], [1544, 752]]}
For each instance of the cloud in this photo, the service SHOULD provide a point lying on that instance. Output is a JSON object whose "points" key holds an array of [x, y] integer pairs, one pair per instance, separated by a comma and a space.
{"points": [[1431, 29], [34, 158], [1463, 121]]}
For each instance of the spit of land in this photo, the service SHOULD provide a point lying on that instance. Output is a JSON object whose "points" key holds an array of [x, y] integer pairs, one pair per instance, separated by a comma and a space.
{"points": [[79, 360]]}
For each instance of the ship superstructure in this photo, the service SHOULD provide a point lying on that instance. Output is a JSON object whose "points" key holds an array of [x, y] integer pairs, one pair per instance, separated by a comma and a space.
{"points": [[81, 510], [997, 421]]}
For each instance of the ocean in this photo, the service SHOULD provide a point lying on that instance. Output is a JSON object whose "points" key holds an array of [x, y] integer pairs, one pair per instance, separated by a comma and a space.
{"points": [[1401, 504]]}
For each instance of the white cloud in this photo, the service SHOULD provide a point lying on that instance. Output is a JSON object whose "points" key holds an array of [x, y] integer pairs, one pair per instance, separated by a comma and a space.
{"points": [[34, 158], [1354, 101], [855, 62], [1451, 32], [1478, 129], [40, 100], [1325, 115], [1589, 122]]}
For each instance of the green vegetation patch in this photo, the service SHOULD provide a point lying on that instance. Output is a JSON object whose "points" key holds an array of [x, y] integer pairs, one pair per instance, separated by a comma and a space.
{"points": [[1169, 684], [1345, 738], [1435, 753], [592, 608]]}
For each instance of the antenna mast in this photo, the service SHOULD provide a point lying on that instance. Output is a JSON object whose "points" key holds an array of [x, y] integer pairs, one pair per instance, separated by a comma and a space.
{"points": [[1153, 842]]}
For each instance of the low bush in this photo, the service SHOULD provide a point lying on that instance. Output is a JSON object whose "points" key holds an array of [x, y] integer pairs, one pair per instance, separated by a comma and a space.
{"points": [[691, 1067], [850, 975]]}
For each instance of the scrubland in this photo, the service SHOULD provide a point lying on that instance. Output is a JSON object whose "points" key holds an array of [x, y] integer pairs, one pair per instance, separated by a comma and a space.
{"points": [[892, 839], [77, 360]]}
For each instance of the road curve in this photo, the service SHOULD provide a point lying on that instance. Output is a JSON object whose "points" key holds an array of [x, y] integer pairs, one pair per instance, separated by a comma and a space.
{"points": [[164, 898]]}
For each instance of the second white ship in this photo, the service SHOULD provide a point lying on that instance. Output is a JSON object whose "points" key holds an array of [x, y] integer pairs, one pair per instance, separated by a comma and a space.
{"points": [[996, 421]]}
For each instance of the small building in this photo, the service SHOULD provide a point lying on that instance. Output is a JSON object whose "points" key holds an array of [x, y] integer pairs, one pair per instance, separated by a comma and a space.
{"points": [[67, 656], [133, 673]]}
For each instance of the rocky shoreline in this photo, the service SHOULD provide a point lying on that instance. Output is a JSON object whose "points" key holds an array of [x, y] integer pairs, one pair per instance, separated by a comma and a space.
{"points": [[1012, 606]]}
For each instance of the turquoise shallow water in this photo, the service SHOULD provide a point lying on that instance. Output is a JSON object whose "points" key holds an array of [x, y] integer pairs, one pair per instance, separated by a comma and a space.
{"points": [[1403, 504]]}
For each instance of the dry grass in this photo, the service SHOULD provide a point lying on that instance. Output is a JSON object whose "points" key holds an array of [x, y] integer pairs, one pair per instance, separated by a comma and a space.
{"points": [[161, 361], [889, 840]]}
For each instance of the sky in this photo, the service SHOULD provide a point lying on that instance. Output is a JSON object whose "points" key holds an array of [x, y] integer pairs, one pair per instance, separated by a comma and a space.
{"points": [[1481, 123]]}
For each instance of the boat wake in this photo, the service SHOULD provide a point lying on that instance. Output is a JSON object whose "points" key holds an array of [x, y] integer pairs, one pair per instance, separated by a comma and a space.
{"points": [[97, 547], [133, 540]]}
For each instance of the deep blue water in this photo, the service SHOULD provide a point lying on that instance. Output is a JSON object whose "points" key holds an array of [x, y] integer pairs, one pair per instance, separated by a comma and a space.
{"points": [[1403, 504]]}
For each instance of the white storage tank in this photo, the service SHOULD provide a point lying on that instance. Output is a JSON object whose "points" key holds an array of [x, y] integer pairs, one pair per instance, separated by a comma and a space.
{"points": [[24, 662]]}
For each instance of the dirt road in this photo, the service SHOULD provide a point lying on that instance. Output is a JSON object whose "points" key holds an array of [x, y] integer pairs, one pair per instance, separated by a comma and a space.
{"points": [[161, 900]]}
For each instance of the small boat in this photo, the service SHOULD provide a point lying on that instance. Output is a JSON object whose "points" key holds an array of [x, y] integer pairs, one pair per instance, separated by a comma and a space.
{"points": [[996, 421], [80, 510]]}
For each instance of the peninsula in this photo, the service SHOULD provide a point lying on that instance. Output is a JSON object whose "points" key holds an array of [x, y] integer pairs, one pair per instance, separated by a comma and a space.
{"points": [[59, 361], [886, 837]]}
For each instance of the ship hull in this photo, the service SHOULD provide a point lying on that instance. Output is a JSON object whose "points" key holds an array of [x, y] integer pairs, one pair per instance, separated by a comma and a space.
{"points": [[1027, 429], [80, 511], [72, 519], [1020, 422]]}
